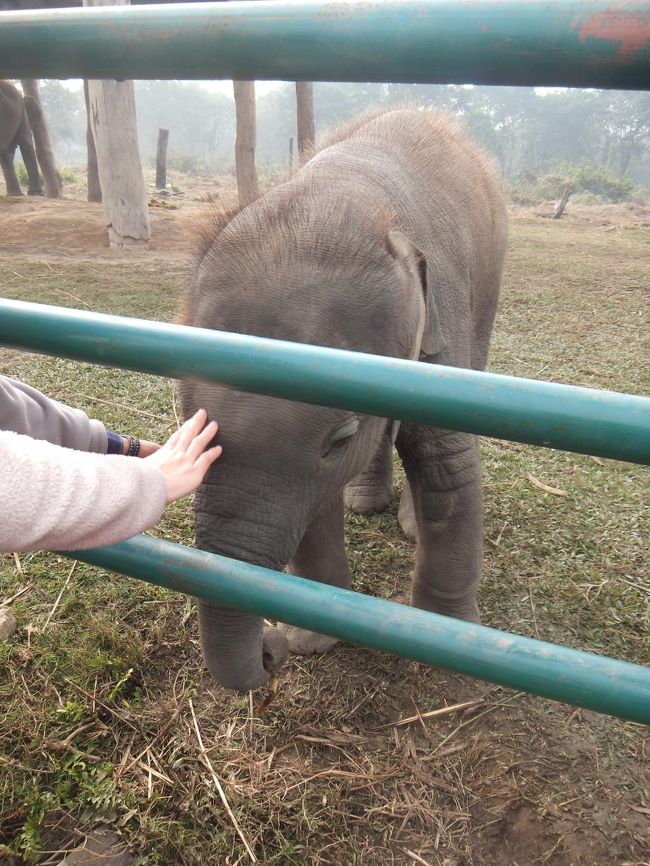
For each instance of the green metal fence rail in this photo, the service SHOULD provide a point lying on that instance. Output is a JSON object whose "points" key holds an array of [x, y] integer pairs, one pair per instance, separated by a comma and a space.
{"points": [[578, 43], [601, 423], [608, 686]]}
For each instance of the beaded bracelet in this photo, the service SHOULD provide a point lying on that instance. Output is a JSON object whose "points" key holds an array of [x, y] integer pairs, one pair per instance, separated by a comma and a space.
{"points": [[134, 446]]}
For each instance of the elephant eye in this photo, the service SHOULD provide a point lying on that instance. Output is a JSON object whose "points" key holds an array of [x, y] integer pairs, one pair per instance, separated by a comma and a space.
{"points": [[341, 434]]}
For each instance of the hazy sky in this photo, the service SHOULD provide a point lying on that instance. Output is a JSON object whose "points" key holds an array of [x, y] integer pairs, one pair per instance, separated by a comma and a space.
{"points": [[225, 87]]}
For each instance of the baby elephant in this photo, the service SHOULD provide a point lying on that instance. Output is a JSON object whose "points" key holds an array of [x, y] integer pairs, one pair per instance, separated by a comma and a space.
{"points": [[390, 240]]}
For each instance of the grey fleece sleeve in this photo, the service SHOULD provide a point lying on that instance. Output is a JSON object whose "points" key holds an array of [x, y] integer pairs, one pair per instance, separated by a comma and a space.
{"points": [[25, 410], [58, 499]]}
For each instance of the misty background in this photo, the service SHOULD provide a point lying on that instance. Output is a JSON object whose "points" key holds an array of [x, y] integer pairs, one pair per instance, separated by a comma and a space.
{"points": [[598, 140]]}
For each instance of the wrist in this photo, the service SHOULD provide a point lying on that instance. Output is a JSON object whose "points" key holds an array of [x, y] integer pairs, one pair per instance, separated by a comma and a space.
{"points": [[131, 446], [128, 446], [115, 443]]}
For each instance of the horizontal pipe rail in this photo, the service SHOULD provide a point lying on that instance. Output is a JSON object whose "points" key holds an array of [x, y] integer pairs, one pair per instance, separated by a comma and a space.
{"points": [[579, 678], [600, 423], [577, 43]]}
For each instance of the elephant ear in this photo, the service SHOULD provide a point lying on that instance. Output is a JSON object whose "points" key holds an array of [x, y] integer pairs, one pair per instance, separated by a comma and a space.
{"points": [[400, 247]]}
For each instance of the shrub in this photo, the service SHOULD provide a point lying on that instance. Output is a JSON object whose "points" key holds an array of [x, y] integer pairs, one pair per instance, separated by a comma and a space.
{"points": [[595, 183], [188, 164]]}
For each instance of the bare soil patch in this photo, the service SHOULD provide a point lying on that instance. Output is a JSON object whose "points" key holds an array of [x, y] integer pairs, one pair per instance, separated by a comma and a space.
{"points": [[627, 215]]}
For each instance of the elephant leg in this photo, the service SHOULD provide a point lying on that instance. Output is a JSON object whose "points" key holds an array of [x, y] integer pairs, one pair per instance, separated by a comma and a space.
{"points": [[26, 145], [320, 556], [406, 513], [9, 172], [445, 478], [372, 491]]}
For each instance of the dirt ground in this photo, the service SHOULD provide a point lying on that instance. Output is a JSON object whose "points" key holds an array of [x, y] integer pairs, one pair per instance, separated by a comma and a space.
{"points": [[511, 780]]}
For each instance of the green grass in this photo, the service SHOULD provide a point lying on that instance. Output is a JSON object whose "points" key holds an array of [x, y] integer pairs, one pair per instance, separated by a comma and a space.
{"points": [[96, 722]]}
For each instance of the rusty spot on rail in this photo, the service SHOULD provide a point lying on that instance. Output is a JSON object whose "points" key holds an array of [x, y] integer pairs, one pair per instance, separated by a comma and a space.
{"points": [[629, 28]]}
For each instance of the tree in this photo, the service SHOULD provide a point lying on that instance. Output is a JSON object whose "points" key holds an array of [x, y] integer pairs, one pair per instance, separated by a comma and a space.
{"points": [[247, 183], [305, 117], [113, 122], [626, 129]]}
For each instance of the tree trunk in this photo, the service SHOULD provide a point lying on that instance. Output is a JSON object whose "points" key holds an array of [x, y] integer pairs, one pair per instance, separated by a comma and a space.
{"points": [[305, 117], [42, 140], [112, 119], [94, 187], [161, 158], [247, 184]]}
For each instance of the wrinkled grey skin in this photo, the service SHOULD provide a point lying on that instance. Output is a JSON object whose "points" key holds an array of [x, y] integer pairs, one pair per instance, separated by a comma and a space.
{"points": [[390, 240], [15, 131]]}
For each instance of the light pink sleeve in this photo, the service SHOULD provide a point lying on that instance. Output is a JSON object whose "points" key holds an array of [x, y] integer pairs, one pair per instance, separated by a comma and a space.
{"points": [[58, 499]]}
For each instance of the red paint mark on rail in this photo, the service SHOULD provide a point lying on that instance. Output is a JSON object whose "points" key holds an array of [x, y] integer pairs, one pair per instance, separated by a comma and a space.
{"points": [[630, 29]]}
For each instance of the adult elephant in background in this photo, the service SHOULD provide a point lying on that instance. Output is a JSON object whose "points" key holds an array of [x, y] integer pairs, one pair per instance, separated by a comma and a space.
{"points": [[389, 240], [15, 131]]}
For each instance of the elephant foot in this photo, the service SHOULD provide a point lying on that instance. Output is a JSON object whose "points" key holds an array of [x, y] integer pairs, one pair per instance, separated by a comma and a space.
{"points": [[406, 515], [306, 643], [36, 192], [463, 607], [368, 500]]}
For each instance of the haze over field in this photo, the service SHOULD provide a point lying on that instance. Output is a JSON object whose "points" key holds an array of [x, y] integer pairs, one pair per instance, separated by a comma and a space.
{"points": [[604, 136]]}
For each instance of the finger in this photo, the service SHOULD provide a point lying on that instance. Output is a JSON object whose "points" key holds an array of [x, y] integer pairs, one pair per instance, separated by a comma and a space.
{"points": [[205, 461], [189, 429], [202, 440]]}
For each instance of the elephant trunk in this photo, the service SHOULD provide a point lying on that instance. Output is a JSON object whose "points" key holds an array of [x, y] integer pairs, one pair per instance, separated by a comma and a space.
{"points": [[238, 650], [239, 653]]}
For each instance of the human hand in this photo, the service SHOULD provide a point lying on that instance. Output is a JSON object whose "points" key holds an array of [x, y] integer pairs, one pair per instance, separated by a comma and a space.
{"points": [[183, 459]]}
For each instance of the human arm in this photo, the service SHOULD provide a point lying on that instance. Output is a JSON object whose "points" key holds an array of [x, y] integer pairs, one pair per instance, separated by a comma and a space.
{"points": [[56, 498], [25, 410]]}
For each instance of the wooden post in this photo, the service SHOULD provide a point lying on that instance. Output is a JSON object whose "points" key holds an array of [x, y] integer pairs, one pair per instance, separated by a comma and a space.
{"points": [[42, 140], [112, 119], [559, 209], [305, 117], [247, 184], [92, 173], [161, 158]]}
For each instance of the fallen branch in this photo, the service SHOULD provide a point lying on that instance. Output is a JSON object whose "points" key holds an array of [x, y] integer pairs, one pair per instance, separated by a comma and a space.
{"points": [[545, 487], [58, 598], [416, 857], [443, 711]]}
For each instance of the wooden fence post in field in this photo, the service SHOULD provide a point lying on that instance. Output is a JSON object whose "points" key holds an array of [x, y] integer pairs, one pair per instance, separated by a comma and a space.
{"points": [[559, 209], [161, 158]]}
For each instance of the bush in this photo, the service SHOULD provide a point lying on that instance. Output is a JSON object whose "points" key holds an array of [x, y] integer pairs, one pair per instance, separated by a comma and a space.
{"points": [[64, 173], [67, 175], [595, 183], [187, 164]]}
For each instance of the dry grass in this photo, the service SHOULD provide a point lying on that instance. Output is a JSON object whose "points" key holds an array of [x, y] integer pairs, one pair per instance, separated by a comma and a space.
{"points": [[102, 688]]}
